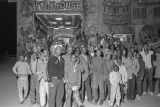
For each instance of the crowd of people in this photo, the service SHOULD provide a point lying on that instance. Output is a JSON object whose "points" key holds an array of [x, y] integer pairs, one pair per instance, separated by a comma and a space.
{"points": [[99, 70]]}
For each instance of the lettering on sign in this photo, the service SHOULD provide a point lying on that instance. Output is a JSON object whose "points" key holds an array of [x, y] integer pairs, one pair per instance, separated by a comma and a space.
{"points": [[62, 6]]}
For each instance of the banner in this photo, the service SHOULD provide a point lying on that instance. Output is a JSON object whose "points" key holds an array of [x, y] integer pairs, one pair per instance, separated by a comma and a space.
{"points": [[58, 7]]}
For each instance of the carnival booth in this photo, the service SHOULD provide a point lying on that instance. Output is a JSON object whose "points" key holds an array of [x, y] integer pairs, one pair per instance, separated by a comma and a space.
{"points": [[58, 18]]}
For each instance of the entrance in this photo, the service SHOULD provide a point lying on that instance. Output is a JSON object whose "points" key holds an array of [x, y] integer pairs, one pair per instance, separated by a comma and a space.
{"points": [[58, 22]]}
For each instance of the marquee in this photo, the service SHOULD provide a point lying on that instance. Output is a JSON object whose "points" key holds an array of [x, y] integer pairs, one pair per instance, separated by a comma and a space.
{"points": [[63, 6]]}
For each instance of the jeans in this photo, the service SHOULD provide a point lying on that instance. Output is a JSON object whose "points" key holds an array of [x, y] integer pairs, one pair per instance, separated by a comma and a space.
{"points": [[131, 88], [56, 93], [69, 92], [138, 86], [148, 80], [34, 91], [86, 87]]}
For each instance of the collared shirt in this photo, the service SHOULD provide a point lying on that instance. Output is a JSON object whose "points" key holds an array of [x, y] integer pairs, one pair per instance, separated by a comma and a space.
{"points": [[147, 58], [42, 69], [21, 68]]}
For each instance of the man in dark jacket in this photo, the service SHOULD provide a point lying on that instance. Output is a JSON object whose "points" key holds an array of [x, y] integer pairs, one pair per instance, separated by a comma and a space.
{"points": [[140, 76], [56, 75]]}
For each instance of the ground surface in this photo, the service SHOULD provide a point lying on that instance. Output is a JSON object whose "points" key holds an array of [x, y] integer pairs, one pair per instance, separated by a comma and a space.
{"points": [[9, 93]]}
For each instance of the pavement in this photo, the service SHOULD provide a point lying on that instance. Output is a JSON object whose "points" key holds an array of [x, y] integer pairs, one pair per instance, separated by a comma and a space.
{"points": [[9, 92]]}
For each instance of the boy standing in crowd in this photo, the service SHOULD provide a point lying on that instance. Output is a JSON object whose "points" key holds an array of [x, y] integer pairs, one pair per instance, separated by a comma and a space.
{"points": [[34, 91], [115, 80], [22, 70], [73, 80], [86, 87], [56, 75], [148, 77]]}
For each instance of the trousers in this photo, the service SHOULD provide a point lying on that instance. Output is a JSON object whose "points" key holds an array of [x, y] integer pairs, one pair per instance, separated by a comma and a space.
{"points": [[72, 94], [22, 87], [98, 82], [34, 91], [86, 87], [56, 93], [138, 86], [43, 91], [148, 80], [115, 94], [131, 88]]}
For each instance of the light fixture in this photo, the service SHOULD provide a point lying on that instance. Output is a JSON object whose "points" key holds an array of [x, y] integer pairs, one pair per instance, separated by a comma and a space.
{"points": [[68, 28], [54, 23], [67, 23], [58, 18]]}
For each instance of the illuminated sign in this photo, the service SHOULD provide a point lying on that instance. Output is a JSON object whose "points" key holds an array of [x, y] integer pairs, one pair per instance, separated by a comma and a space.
{"points": [[61, 6]]}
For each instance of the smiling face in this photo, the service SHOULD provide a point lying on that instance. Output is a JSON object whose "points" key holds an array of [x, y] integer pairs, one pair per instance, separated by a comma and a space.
{"points": [[73, 58], [58, 50]]}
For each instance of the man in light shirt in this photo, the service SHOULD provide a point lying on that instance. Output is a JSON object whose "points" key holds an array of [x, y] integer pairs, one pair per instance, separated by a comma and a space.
{"points": [[22, 70], [42, 77], [34, 91], [146, 54]]}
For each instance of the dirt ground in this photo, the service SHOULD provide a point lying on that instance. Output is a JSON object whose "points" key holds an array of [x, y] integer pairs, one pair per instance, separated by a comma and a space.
{"points": [[9, 92]]}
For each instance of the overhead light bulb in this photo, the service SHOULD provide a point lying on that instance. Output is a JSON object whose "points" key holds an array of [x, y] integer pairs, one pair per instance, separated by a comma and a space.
{"points": [[67, 23], [58, 18]]}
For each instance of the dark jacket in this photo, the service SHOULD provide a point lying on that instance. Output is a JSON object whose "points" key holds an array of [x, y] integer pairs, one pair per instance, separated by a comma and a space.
{"points": [[55, 67]]}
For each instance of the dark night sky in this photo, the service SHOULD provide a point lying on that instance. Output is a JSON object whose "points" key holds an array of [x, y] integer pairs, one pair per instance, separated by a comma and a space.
{"points": [[7, 27]]}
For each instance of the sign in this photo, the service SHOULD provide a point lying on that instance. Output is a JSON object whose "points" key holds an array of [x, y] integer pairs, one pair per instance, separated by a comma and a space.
{"points": [[58, 7], [63, 31]]}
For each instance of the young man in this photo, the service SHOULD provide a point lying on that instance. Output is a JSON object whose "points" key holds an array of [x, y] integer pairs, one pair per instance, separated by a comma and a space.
{"points": [[22, 70], [34, 91], [42, 77], [73, 81], [132, 66], [110, 64], [115, 80], [140, 76], [99, 70], [148, 77], [55, 76], [86, 85]]}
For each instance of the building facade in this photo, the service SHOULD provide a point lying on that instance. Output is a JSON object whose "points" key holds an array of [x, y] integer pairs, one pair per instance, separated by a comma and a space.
{"points": [[139, 17]]}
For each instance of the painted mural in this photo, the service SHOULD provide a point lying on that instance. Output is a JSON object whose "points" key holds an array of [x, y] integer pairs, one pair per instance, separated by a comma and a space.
{"points": [[24, 24]]}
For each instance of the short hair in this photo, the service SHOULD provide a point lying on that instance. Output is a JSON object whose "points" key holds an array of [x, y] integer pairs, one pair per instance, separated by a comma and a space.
{"points": [[115, 66]]}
